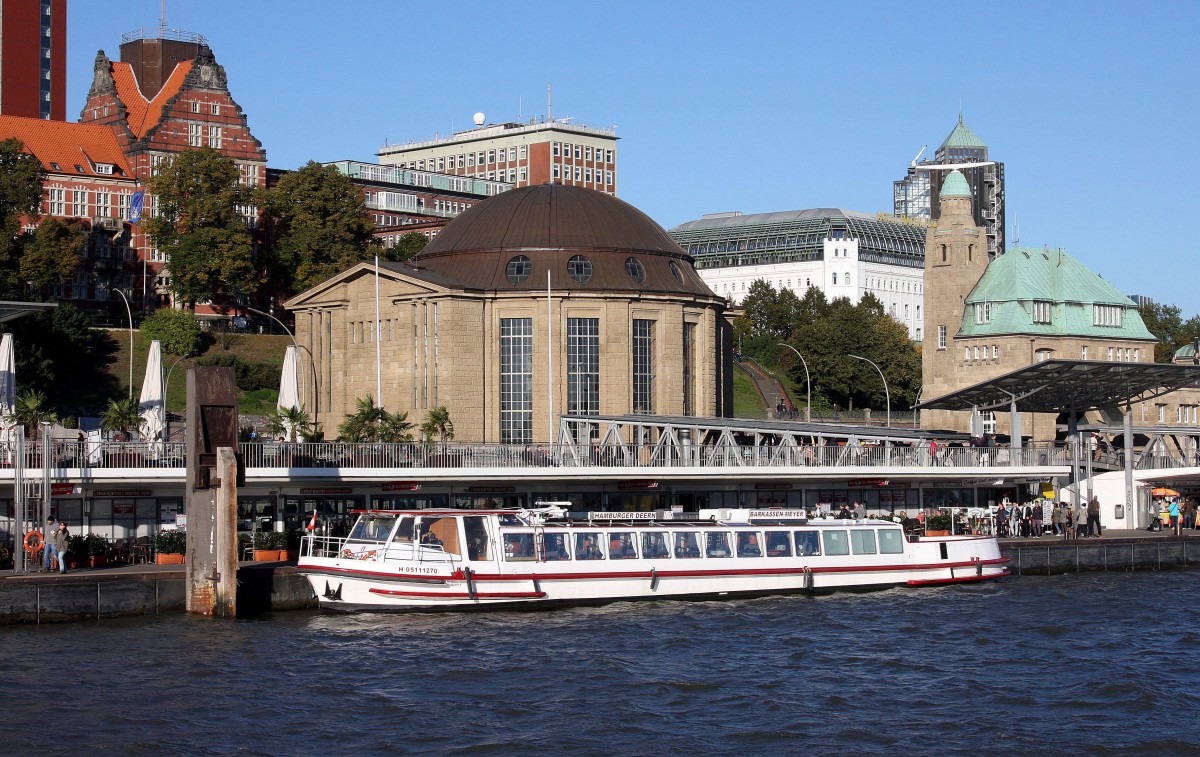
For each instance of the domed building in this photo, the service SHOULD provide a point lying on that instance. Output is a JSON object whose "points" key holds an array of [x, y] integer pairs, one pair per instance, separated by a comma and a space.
{"points": [[539, 302]]}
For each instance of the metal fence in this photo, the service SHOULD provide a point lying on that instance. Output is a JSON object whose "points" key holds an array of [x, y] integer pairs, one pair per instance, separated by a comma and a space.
{"points": [[95, 455]]}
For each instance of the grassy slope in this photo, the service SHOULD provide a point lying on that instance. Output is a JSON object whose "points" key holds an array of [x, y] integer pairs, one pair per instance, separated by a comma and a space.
{"points": [[250, 347]]}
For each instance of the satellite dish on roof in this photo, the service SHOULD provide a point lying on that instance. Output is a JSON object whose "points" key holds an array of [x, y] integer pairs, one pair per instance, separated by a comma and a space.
{"points": [[479, 119]]}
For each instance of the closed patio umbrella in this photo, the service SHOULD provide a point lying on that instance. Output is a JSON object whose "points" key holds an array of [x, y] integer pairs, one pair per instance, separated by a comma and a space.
{"points": [[289, 389], [152, 404], [8, 391]]}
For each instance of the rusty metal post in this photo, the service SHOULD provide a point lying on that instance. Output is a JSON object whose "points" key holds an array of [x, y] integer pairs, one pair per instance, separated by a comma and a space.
{"points": [[212, 474]]}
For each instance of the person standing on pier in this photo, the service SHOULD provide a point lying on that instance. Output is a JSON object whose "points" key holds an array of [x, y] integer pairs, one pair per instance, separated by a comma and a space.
{"points": [[61, 540], [1093, 517], [48, 536], [1081, 520]]}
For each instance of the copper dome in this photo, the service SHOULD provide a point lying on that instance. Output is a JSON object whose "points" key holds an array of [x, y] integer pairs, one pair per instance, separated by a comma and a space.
{"points": [[588, 240]]}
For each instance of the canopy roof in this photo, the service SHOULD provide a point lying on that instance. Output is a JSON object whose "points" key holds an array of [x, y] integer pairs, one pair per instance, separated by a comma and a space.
{"points": [[10, 311], [1057, 386]]}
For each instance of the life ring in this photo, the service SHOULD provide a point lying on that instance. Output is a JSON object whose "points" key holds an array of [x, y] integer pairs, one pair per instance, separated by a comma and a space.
{"points": [[33, 542]]}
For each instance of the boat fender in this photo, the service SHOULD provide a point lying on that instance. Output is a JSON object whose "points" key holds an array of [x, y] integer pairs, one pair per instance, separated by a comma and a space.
{"points": [[470, 583], [653, 579], [808, 578], [978, 566]]}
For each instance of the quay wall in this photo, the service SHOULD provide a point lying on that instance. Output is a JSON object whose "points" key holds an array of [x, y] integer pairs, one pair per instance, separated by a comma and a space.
{"points": [[1030, 558], [52, 599]]}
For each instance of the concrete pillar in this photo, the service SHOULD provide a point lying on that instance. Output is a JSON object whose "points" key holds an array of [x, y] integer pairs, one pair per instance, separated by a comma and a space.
{"points": [[1073, 438], [1135, 515], [1015, 425]]}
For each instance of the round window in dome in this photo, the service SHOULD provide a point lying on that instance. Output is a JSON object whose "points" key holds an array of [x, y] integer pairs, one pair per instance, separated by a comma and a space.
{"points": [[518, 269], [634, 268], [675, 271], [580, 269]]}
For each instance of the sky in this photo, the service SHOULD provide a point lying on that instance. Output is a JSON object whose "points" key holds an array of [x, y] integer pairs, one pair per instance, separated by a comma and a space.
{"points": [[749, 106]]}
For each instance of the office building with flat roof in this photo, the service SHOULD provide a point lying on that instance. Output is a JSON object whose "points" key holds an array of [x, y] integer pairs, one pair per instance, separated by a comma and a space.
{"points": [[33, 59]]}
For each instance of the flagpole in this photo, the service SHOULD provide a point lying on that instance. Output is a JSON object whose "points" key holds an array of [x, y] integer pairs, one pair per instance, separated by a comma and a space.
{"points": [[378, 361], [549, 364]]}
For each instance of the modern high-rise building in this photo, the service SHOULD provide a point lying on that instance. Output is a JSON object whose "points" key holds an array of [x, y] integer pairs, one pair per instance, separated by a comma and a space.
{"points": [[917, 194], [33, 58], [522, 154]]}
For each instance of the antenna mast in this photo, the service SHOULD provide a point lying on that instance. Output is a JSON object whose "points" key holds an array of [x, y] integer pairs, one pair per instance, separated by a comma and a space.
{"points": [[162, 20], [549, 112]]}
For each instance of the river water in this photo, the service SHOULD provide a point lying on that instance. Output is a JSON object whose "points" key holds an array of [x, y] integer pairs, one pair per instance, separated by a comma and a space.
{"points": [[1089, 664]]}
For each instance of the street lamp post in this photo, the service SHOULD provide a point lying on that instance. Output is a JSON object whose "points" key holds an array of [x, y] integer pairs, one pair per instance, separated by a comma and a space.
{"points": [[312, 363], [886, 393], [807, 382], [166, 394], [129, 312]]}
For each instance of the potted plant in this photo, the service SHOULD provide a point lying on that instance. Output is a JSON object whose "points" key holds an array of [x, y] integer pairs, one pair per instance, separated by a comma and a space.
{"points": [[97, 550], [266, 545], [937, 525], [77, 551], [170, 546]]}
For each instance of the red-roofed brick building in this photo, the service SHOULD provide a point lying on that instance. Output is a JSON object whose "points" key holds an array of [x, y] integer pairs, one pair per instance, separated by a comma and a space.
{"points": [[166, 95], [89, 179]]}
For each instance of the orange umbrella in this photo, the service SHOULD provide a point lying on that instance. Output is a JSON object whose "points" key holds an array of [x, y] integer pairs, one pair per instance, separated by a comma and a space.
{"points": [[1164, 492]]}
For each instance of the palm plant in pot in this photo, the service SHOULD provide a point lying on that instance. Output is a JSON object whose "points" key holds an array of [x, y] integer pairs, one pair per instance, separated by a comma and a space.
{"points": [[937, 525]]}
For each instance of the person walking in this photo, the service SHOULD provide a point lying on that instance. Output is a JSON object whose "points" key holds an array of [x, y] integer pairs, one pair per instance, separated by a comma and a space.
{"points": [[1081, 519], [49, 534], [1173, 511], [61, 539], [1093, 517], [1068, 520], [1056, 519]]}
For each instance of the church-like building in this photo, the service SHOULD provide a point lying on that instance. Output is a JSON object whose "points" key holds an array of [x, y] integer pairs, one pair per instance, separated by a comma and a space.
{"points": [[542, 301]]}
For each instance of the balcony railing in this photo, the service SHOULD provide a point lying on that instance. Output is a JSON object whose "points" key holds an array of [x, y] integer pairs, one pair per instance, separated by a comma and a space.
{"points": [[149, 455]]}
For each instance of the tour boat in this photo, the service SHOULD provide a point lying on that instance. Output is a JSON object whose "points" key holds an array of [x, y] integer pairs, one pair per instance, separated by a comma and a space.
{"points": [[435, 560]]}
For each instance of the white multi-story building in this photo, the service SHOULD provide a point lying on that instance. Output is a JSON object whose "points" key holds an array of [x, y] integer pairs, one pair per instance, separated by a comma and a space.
{"points": [[521, 154], [842, 253]]}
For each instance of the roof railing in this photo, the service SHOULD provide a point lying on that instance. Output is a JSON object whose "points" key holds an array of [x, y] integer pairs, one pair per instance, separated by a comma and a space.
{"points": [[170, 35]]}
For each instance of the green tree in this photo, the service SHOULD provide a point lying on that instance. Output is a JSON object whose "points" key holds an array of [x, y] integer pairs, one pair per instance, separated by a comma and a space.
{"points": [[371, 423], [61, 355], [1166, 323], [406, 247], [52, 254], [320, 226], [121, 417], [21, 180], [178, 330], [32, 410], [438, 424], [198, 223], [294, 423]]}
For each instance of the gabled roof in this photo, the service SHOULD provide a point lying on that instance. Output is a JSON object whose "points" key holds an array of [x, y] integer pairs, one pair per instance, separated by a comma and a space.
{"points": [[397, 272], [1013, 280], [62, 146], [962, 136], [143, 115]]}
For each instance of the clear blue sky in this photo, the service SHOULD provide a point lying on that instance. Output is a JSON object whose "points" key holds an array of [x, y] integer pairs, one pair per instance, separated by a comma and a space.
{"points": [[1093, 106]]}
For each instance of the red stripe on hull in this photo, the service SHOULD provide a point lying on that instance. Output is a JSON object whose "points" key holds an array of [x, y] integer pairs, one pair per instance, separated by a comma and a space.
{"points": [[461, 594]]}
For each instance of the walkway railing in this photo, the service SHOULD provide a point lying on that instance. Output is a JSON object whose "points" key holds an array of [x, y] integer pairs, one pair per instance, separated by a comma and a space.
{"points": [[109, 455]]}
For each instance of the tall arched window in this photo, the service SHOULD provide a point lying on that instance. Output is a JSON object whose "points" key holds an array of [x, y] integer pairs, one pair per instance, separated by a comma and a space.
{"points": [[943, 253], [835, 279]]}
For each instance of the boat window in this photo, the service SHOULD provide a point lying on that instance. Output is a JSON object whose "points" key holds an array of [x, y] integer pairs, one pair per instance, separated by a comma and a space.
{"points": [[556, 547], [807, 544], [620, 546], [748, 544], [716, 544], [439, 534], [404, 533], [587, 547], [478, 546], [687, 544], [836, 543], [518, 547], [862, 541], [371, 528], [654, 544], [891, 541], [778, 544]]}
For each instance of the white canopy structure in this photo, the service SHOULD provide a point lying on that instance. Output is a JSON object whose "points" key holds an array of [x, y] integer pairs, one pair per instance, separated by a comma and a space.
{"points": [[8, 391], [289, 389], [152, 405]]}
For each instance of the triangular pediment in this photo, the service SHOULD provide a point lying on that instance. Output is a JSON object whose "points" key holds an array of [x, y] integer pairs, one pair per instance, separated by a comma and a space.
{"points": [[344, 286]]}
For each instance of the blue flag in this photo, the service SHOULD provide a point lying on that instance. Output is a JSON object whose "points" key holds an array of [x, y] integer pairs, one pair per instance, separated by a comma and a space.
{"points": [[135, 206]]}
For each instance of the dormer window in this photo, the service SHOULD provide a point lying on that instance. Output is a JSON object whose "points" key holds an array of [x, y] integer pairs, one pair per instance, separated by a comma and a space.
{"points": [[1041, 311], [55, 167], [983, 312], [1106, 315]]}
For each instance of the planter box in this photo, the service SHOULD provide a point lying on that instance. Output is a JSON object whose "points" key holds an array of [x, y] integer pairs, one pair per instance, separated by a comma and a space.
{"points": [[933, 532], [267, 555], [97, 561], [168, 559], [290, 554]]}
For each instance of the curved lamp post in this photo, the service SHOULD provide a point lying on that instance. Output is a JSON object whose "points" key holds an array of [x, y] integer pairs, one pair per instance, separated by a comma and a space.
{"points": [[166, 394], [128, 312], [886, 393], [807, 382], [312, 363]]}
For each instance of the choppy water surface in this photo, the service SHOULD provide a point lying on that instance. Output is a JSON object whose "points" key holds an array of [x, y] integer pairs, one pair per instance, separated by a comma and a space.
{"points": [[1094, 664]]}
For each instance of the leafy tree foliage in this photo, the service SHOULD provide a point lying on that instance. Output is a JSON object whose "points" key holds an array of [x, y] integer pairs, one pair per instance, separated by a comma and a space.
{"points": [[33, 409], [293, 423], [320, 225], [198, 225], [406, 247], [1166, 323], [122, 417], [249, 376], [21, 179], [438, 425], [371, 423], [178, 331], [51, 254]]}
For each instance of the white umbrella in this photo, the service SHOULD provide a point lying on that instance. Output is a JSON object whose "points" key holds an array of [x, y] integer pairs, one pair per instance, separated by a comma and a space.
{"points": [[289, 389], [152, 404], [8, 391]]}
